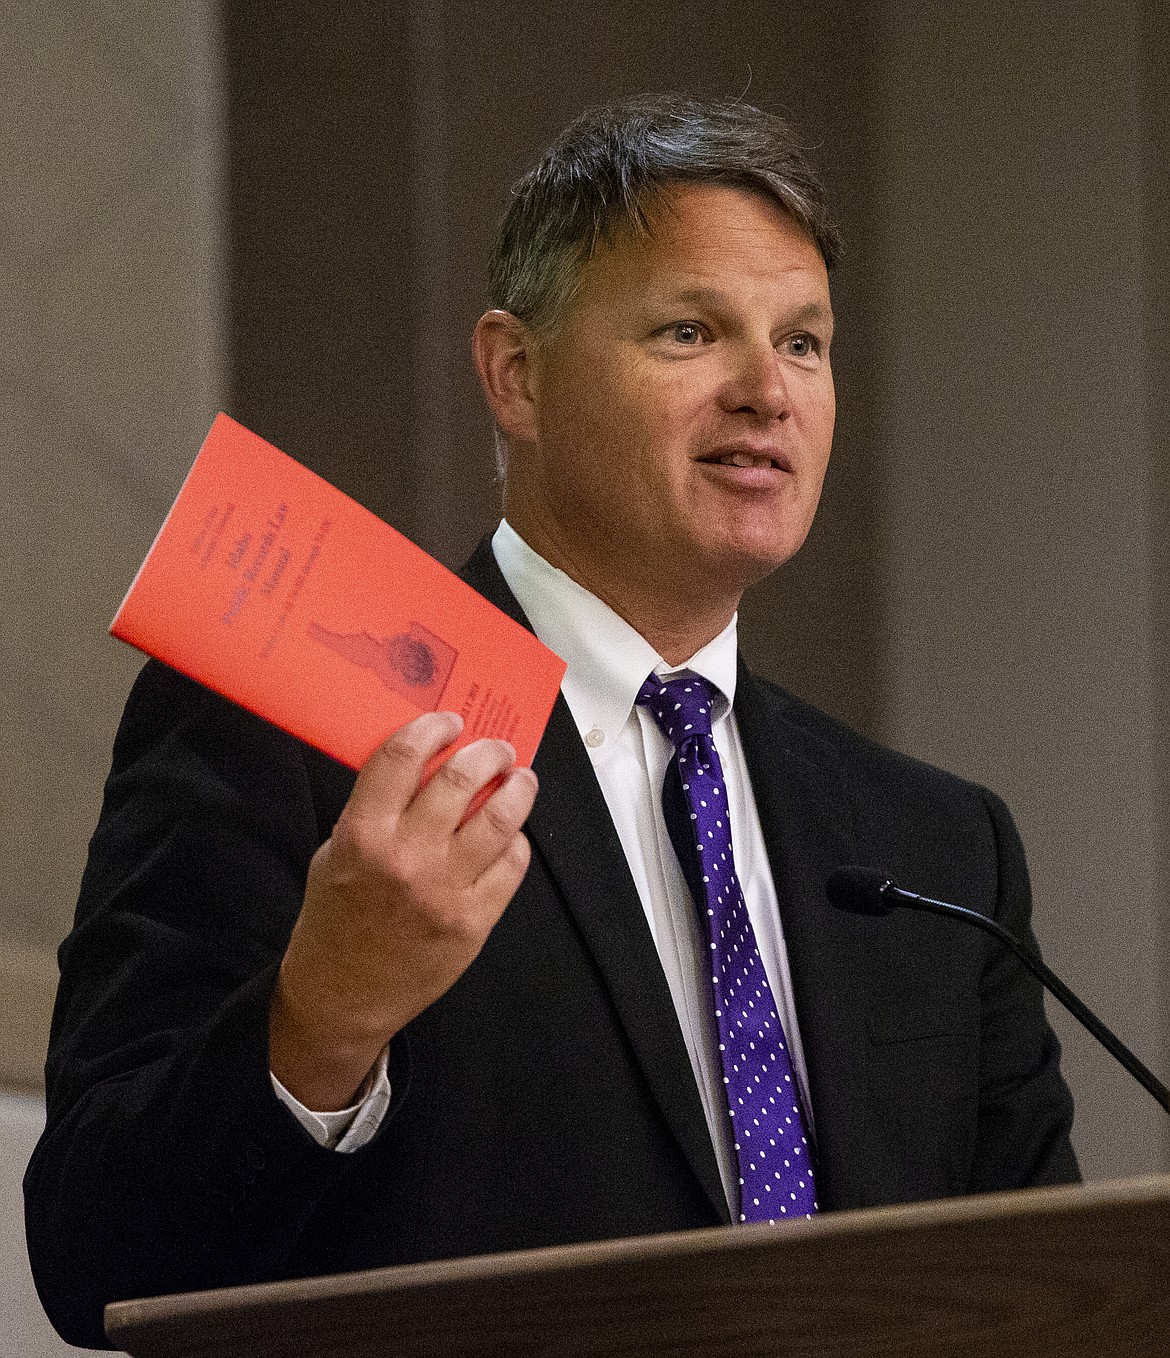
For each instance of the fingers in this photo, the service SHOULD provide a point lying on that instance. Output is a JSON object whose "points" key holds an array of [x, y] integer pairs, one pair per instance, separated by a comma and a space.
{"points": [[444, 801], [395, 776], [390, 778], [397, 811], [491, 831], [501, 879]]}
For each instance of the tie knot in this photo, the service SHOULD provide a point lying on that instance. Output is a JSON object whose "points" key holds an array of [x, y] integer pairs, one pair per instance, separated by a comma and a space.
{"points": [[681, 707]]}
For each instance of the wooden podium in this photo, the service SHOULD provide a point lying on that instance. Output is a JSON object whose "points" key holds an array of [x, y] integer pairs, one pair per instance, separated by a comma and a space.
{"points": [[1044, 1273]]}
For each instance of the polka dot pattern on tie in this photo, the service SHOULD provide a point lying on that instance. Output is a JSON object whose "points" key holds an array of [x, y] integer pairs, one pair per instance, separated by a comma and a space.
{"points": [[771, 1140]]}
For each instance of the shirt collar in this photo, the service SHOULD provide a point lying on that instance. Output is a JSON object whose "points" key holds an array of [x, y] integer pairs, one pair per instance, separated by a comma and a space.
{"points": [[607, 659]]}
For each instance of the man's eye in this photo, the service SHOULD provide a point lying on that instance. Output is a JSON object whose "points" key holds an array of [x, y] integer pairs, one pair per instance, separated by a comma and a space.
{"points": [[687, 332], [802, 346]]}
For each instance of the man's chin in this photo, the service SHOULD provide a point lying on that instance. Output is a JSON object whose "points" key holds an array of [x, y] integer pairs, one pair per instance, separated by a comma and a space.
{"points": [[744, 562]]}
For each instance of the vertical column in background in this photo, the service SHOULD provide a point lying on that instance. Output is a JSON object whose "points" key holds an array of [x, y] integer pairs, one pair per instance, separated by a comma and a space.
{"points": [[319, 197], [1015, 430], [1156, 187], [109, 375]]}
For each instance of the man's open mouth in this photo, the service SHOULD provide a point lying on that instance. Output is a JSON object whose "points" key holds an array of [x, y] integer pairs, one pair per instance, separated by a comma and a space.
{"points": [[742, 460]]}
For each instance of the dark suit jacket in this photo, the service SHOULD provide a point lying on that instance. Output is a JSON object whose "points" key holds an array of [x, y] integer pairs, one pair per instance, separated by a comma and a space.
{"points": [[547, 1097]]}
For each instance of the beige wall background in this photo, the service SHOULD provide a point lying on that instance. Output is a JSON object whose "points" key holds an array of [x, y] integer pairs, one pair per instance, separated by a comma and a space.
{"points": [[1023, 272], [109, 373], [284, 213]]}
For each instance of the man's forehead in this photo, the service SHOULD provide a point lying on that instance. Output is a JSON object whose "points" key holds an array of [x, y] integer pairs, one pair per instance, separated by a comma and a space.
{"points": [[739, 208], [710, 254], [691, 225], [679, 289]]}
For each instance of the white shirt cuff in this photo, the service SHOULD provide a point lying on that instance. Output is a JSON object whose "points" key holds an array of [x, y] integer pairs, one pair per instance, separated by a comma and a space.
{"points": [[347, 1129]]}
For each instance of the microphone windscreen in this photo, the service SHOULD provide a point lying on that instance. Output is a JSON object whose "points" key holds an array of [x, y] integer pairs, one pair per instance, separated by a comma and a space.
{"points": [[859, 890]]}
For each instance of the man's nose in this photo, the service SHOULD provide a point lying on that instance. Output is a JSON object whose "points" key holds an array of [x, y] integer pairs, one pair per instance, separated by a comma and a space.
{"points": [[757, 383]]}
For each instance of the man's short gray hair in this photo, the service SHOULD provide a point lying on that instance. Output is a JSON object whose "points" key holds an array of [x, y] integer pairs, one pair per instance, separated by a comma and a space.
{"points": [[599, 176]]}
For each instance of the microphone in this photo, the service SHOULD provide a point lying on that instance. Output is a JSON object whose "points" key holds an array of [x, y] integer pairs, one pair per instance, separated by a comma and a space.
{"points": [[866, 891]]}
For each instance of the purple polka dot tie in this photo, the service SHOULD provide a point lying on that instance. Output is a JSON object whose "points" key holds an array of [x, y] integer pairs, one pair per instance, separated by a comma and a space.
{"points": [[771, 1140]]}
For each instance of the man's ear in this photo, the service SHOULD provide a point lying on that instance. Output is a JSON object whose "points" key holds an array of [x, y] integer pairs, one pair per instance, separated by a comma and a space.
{"points": [[503, 349]]}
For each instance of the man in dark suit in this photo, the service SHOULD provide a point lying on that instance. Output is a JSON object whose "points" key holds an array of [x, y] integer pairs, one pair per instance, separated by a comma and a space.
{"points": [[308, 1024]]}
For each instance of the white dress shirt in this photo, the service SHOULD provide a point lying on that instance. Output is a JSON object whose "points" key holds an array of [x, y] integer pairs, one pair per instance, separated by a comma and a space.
{"points": [[608, 661]]}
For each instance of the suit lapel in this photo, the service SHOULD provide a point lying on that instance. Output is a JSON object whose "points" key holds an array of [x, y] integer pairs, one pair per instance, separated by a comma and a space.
{"points": [[571, 829], [803, 806]]}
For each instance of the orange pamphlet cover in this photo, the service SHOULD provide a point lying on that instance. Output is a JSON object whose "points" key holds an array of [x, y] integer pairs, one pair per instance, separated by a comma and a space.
{"points": [[277, 590]]}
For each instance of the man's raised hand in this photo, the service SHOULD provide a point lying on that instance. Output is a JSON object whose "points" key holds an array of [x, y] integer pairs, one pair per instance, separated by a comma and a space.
{"points": [[399, 901]]}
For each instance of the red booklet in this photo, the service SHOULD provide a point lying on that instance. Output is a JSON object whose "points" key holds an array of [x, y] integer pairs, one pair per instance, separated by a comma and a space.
{"points": [[274, 588]]}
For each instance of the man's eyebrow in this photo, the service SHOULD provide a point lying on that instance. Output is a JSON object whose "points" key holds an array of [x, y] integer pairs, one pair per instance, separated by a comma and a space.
{"points": [[813, 313], [700, 297], [713, 298]]}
